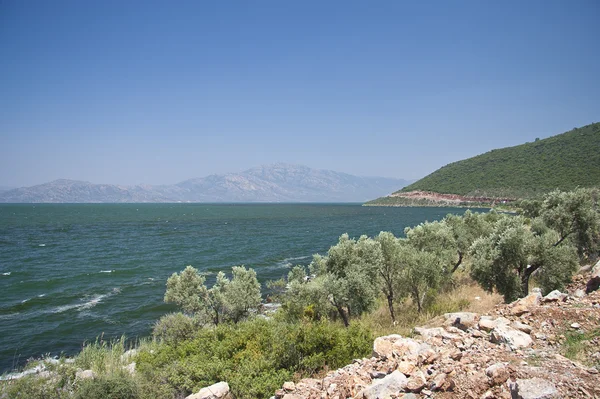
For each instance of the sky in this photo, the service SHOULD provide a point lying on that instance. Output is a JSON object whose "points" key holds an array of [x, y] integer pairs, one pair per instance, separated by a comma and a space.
{"points": [[156, 92]]}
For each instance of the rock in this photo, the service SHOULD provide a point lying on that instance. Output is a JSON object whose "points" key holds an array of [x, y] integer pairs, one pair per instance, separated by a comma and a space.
{"points": [[416, 382], [409, 396], [462, 320], [498, 373], [555, 296], [405, 367], [408, 347], [487, 324], [392, 384], [289, 386], [441, 382], [428, 333], [517, 325], [382, 347], [533, 388], [594, 283], [524, 305], [292, 396], [84, 374], [220, 390], [515, 339], [375, 375], [579, 293], [575, 326]]}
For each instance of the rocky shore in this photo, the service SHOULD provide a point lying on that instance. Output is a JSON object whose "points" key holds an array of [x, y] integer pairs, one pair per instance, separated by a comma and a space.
{"points": [[515, 351]]}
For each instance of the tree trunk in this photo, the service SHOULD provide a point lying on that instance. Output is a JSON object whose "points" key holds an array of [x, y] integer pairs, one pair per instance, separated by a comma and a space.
{"points": [[525, 279], [390, 299], [460, 258], [343, 315]]}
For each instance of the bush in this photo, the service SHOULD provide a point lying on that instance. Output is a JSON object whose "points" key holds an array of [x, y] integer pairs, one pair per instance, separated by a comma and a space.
{"points": [[112, 386], [175, 327]]}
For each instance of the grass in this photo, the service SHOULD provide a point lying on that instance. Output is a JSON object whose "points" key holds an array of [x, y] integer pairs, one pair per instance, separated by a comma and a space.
{"points": [[461, 298], [578, 346]]}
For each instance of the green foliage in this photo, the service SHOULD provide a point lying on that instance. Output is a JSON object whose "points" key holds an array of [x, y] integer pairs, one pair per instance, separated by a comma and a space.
{"points": [[110, 386], [242, 293], [187, 290], [565, 161], [175, 327], [227, 300], [512, 252], [255, 357], [32, 387]]}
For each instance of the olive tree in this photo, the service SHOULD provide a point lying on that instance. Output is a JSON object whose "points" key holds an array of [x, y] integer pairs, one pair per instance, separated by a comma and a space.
{"points": [[507, 258], [390, 269], [422, 271], [575, 216], [227, 300], [351, 276]]}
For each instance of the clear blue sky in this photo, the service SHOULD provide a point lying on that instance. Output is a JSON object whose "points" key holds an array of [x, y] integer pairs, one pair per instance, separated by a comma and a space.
{"points": [[160, 91]]}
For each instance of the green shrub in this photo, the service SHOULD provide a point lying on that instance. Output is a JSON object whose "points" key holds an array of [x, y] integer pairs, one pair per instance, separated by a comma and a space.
{"points": [[111, 386], [175, 327]]}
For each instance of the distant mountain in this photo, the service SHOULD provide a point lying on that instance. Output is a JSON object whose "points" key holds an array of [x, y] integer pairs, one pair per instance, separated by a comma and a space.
{"points": [[5, 188], [564, 161], [269, 183]]}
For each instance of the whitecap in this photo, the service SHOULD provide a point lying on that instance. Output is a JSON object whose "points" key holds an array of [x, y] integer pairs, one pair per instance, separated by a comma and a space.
{"points": [[96, 299], [41, 295], [25, 300], [6, 273], [42, 245], [106, 271]]}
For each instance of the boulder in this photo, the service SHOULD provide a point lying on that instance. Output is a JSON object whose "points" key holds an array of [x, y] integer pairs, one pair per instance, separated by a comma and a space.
{"points": [[487, 324], [441, 382], [416, 382], [594, 283], [407, 347], [517, 325], [525, 305], [498, 373], [385, 387], [462, 320], [555, 296], [289, 386], [533, 388], [382, 346], [515, 339], [405, 367], [579, 293], [220, 390]]}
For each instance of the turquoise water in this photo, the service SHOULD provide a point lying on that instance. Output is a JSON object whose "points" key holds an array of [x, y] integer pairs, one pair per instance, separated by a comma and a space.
{"points": [[69, 273]]}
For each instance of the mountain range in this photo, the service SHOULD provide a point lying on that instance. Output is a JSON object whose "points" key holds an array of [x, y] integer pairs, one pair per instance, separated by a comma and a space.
{"points": [[269, 183]]}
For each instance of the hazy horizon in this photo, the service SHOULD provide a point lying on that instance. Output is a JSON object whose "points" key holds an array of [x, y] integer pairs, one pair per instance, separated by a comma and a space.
{"points": [[157, 92]]}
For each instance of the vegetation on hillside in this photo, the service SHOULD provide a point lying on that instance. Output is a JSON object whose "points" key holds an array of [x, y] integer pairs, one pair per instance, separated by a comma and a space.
{"points": [[565, 161], [329, 308]]}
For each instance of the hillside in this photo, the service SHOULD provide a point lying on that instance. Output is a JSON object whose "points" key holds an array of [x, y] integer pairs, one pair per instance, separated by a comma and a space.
{"points": [[564, 161], [270, 183]]}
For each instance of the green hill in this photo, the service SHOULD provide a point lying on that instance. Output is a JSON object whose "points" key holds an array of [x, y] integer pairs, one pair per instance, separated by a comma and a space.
{"points": [[564, 161]]}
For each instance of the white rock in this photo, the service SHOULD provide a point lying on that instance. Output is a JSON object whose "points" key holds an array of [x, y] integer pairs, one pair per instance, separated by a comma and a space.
{"points": [[220, 390], [515, 339], [385, 387], [555, 296], [533, 388], [462, 320]]}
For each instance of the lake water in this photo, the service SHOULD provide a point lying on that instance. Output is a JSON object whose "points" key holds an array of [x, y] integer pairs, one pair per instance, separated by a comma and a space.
{"points": [[70, 272]]}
